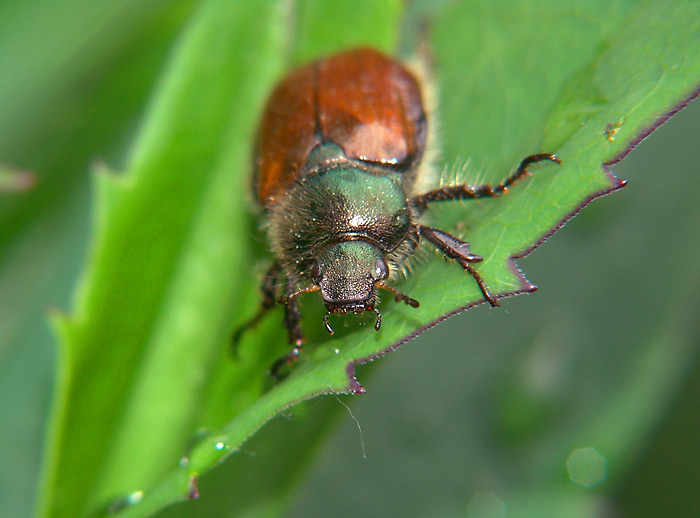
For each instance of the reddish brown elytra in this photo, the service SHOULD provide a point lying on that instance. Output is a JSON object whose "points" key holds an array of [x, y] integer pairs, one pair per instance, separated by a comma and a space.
{"points": [[338, 170], [362, 101]]}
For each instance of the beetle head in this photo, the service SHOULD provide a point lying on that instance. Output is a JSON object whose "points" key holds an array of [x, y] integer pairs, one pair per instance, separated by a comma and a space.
{"points": [[346, 273]]}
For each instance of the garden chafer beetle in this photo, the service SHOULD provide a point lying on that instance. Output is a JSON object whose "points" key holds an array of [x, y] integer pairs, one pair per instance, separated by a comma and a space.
{"points": [[338, 163]]}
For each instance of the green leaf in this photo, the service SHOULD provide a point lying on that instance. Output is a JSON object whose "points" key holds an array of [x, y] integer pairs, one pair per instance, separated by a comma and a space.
{"points": [[57, 114], [121, 360], [142, 362]]}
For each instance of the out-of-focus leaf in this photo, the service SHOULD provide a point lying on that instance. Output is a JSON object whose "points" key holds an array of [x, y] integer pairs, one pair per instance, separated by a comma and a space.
{"points": [[57, 114], [179, 172], [15, 180]]}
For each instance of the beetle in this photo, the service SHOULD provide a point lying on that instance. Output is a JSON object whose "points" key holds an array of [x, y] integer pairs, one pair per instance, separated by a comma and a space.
{"points": [[338, 163]]}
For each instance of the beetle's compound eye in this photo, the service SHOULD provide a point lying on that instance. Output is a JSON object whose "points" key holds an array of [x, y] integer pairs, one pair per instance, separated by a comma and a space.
{"points": [[381, 270], [316, 272]]}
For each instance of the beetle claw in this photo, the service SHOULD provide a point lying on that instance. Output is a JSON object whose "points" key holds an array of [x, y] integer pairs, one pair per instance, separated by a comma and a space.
{"points": [[378, 323]]}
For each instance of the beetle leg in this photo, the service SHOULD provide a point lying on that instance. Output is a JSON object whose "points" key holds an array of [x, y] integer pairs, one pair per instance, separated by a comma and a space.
{"points": [[459, 251], [463, 192], [292, 321], [268, 288]]}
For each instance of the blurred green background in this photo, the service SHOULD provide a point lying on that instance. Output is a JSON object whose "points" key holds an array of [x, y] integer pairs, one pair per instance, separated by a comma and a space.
{"points": [[604, 355]]}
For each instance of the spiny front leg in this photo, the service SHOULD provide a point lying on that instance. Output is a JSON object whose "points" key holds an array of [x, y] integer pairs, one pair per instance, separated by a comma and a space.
{"points": [[268, 289], [292, 321], [459, 251], [462, 192]]}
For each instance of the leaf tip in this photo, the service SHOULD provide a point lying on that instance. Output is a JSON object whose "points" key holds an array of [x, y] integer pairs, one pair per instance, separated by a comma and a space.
{"points": [[192, 488], [14, 180], [354, 385]]}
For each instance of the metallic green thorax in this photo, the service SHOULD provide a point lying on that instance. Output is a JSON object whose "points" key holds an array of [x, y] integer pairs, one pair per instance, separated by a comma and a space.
{"points": [[337, 221]]}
